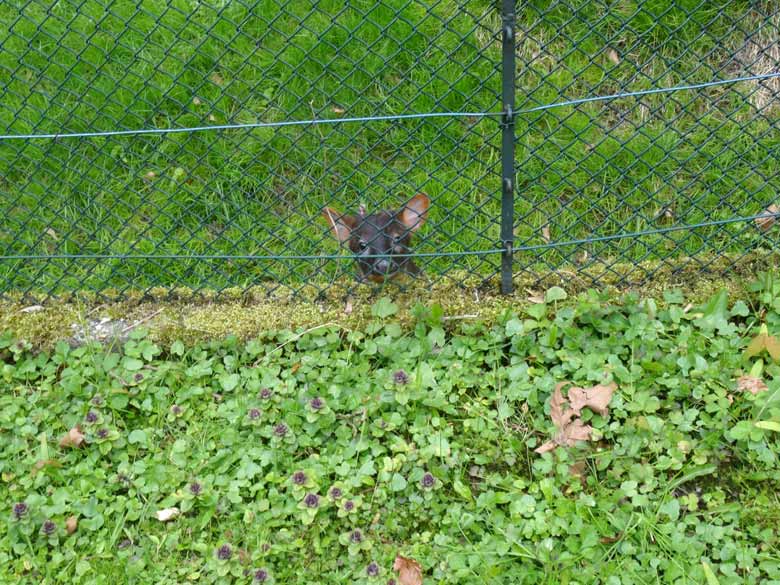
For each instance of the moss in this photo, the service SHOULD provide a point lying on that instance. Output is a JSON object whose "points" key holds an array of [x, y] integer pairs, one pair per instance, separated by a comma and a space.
{"points": [[189, 315]]}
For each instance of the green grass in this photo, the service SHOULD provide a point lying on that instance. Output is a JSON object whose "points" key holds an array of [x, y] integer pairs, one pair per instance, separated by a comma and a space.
{"points": [[678, 473], [596, 170]]}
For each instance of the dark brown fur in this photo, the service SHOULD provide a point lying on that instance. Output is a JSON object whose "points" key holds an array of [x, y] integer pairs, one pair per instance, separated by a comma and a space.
{"points": [[378, 239]]}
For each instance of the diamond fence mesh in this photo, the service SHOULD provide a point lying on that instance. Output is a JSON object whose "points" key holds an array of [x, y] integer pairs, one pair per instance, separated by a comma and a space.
{"points": [[605, 188], [624, 168]]}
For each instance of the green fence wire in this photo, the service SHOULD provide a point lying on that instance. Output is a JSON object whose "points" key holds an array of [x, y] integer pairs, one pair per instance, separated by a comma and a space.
{"points": [[195, 144]]}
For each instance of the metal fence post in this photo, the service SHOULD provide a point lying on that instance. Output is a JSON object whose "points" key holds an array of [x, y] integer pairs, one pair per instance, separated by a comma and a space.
{"points": [[507, 143]]}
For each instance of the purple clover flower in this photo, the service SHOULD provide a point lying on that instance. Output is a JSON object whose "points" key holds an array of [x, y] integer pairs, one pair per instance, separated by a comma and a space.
{"points": [[401, 377], [20, 509], [224, 552]]}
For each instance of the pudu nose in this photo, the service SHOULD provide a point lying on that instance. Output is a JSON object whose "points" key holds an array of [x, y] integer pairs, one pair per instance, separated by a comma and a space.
{"points": [[382, 265]]}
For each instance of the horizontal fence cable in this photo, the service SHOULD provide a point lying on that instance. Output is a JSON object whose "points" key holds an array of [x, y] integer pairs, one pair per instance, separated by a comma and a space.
{"points": [[388, 118], [637, 234]]}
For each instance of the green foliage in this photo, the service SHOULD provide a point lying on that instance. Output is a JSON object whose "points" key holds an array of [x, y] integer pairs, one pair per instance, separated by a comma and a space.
{"points": [[317, 453]]}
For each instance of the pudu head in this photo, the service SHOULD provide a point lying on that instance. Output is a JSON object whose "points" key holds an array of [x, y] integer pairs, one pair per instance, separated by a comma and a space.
{"points": [[379, 240]]}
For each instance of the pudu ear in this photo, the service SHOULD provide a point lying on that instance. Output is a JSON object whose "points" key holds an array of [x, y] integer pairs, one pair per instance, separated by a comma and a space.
{"points": [[341, 225], [415, 212]]}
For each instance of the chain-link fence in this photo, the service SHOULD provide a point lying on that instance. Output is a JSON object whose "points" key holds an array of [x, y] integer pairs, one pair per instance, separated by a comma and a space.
{"points": [[617, 187]]}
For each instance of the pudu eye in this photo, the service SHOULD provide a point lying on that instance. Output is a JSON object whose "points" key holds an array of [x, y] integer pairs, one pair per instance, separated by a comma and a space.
{"points": [[362, 244], [398, 239]]}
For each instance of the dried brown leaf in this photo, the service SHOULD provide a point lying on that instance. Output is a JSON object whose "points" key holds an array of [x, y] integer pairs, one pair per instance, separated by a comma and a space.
{"points": [[212, 118], [548, 446], [571, 429], [409, 571], [596, 398], [559, 415], [751, 384], [150, 176], [197, 101], [772, 345], [217, 79], [45, 463], [337, 110], [613, 56], [764, 341], [764, 223], [611, 539], [71, 524], [73, 438], [546, 234], [755, 346], [52, 234], [576, 431], [578, 470], [31, 309], [244, 557]]}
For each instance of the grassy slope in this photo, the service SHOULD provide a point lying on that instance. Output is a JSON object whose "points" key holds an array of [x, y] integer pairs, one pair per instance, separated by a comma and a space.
{"points": [[595, 170], [680, 473]]}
